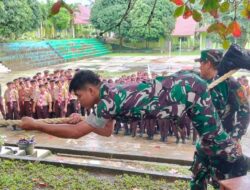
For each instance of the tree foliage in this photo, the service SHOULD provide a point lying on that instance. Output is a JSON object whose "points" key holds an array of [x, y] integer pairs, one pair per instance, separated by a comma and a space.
{"points": [[18, 17], [138, 23], [236, 12], [61, 21]]}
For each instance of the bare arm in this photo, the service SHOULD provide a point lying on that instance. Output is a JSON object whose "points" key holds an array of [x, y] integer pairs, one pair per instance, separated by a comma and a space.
{"points": [[18, 101], [65, 130], [50, 103], [34, 107]]}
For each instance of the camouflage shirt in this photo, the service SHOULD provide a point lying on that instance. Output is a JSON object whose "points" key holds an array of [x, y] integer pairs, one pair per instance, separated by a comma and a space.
{"points": [[168, 97], [232, 106]]}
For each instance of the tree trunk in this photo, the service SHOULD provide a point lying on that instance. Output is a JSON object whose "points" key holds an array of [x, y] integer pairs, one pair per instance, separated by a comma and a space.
{"points": [[120, 43], [147, 44]]}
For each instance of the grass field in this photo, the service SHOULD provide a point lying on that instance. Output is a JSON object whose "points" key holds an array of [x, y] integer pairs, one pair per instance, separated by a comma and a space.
{"points": [[194, 53], [28, 176]]}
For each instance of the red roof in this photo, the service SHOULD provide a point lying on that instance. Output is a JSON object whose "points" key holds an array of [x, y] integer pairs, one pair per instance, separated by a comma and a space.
{"points": [[184, 27], [81, 15]]}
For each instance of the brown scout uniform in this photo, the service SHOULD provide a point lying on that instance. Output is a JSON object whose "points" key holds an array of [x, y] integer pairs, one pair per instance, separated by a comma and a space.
{"points": [[42, 105], [12, 104], [61, 99]]}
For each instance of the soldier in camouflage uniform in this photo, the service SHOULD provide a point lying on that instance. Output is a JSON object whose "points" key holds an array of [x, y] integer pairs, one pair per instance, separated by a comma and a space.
{"points": [[228, 97], [164, 98], [232, 106]]}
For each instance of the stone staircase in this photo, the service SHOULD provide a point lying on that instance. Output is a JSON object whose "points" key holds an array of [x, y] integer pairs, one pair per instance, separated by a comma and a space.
{"points": [[15, 151], [4, 69], [25, 55]]}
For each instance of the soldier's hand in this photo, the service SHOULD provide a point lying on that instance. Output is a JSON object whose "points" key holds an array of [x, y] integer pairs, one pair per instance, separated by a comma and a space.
{"points": [[28, 123], [75, 118], [238, 146]]}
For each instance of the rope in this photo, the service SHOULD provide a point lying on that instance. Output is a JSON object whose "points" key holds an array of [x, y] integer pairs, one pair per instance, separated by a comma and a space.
{"points": [[66, 119], [49, 120], [221, 79]]}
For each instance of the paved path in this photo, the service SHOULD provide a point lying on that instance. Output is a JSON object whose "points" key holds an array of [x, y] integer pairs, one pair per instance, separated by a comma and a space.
{"points": [[117, 144]]}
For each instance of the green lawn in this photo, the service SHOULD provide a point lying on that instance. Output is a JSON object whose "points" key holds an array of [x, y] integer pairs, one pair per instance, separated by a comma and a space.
{"points": [[27, 176], [156, 54]]}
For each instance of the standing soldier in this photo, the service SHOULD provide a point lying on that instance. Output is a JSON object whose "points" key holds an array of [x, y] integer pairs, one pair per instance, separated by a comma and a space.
{"points": [[61, 100], [42, 103], [232, 106], [228, 97]]}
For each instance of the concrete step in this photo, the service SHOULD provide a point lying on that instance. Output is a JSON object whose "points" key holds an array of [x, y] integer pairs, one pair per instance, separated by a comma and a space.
{"points": [[11, 150], [4, 69]]}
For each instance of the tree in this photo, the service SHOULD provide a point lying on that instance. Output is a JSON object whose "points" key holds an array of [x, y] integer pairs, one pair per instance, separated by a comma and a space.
{"points": [[18, 17], [160, 24], [108, 14], [37, 15], [225, 21], [138, 22], [238, 11], [61, 21], [198, 9]]}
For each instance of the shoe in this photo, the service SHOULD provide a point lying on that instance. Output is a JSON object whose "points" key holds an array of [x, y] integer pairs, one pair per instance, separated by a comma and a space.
{"points": [[150, 137], [163, 139], [177, 141]]}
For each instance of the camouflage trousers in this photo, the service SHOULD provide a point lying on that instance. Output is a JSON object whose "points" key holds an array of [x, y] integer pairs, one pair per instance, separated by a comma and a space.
{"points": [[208, 169]]}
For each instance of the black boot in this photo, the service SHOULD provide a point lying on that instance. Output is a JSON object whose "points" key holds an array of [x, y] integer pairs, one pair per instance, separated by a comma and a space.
{"points": [[127, 132], [183, 141], [177, 141], [150, 137], [163, 139]]}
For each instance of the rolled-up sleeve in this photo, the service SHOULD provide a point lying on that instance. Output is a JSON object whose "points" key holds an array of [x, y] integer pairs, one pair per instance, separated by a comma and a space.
{"points": [[96, 122], [103, 112]]}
